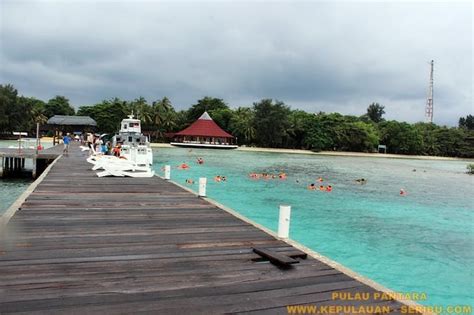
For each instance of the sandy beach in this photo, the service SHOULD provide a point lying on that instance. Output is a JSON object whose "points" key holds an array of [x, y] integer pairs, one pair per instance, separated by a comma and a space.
{"points": [[335, 153]]}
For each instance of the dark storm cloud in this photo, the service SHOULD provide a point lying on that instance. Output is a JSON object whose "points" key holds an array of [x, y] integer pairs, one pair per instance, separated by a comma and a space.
{"points": [[318, 56]]}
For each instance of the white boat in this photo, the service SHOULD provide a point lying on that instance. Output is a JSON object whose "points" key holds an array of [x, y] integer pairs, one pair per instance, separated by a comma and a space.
{"points": [[136, 155], [134, 146]]}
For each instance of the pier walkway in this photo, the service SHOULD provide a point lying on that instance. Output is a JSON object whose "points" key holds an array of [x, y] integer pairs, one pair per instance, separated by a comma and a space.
{"points": [[87, 245]]}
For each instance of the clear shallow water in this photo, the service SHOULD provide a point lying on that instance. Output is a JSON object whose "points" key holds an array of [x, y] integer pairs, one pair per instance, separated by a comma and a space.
{"points": [[7, 143], [10, 190], [422, 242]]}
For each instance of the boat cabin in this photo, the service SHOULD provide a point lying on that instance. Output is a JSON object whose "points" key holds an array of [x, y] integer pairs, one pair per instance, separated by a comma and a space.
{"points": [[130, 125]]}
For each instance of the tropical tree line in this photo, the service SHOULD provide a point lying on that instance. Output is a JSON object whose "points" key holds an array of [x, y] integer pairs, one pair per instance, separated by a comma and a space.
{"points": [[266, 123]]}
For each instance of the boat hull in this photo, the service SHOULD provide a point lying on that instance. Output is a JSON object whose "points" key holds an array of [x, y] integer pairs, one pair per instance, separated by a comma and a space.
{"points": [[205, 146]]}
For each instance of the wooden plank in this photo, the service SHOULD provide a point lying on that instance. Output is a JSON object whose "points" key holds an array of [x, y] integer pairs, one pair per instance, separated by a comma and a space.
{"points": [[275, 257]]}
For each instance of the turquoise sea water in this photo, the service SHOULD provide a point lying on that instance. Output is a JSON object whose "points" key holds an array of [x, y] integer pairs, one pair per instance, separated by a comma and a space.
{"points": [[421, 242], [10, 190]]}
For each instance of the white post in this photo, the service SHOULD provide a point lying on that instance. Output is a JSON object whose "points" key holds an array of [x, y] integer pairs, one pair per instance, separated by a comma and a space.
{"points": [[167, 172], [284, 221], [202, 187], [33, 174], [37, 137]]}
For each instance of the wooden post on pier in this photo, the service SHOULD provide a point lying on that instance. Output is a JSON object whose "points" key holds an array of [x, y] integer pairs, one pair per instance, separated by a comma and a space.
{"points": [[33, 171], [284, 221], [202, 187], [167, 172]]}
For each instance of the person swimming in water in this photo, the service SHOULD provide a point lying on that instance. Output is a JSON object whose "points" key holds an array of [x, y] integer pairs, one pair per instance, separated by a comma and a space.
{"points": [[183, 166], [329, 188], [200, 160], [402, 192], [312, 186], [361, 181], [189, 181]]}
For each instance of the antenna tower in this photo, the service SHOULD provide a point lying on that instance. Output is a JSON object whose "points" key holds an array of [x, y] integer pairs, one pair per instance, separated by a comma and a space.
{"points": [[429, 99]]}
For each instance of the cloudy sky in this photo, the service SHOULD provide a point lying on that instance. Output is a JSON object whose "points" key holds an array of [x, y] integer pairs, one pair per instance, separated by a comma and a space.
{"points": [[318, 56]]}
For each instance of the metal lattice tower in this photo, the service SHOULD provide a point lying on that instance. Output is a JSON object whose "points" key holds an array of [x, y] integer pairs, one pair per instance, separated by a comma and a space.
{"points": [[429, 99]]}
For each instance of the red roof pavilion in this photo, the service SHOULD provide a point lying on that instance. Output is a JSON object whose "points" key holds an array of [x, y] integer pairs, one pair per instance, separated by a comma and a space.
{"points": [[204, 127], [204, 131]]}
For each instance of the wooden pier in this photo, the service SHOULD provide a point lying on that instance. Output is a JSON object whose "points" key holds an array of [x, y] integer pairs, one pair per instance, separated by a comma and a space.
{"points": [[87, 245], [12, 161]]}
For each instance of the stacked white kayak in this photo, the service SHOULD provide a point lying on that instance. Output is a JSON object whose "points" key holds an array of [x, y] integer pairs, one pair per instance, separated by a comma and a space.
{"points": [[114, 166]]}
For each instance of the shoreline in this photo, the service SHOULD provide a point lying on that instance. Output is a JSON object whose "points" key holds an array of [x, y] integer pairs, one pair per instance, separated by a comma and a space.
{"points": [[336, 153]]}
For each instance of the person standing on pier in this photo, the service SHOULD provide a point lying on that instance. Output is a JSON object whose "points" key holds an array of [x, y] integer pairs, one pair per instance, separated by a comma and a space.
{"points": [[66, 141], [90, 142]]}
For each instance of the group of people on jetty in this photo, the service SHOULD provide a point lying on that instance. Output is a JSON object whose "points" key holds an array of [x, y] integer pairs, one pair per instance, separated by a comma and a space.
{"points": [[98, 144], [94, 142]]}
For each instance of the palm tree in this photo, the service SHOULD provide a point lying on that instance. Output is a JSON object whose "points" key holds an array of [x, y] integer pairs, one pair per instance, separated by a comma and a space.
{"points": [[375, 112], [162, 116], [142, 110], [37, 116], [241, 124]]}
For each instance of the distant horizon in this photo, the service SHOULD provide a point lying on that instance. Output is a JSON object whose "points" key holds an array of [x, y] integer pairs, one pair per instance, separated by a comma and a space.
{"points": [[314, 56]]}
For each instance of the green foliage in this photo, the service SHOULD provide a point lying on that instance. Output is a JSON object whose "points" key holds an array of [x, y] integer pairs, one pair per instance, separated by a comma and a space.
{"points": [[181, 120], [467, 122], [141, 110], [242, 125], [222, 117], [8, 106], [336, 132], [208, 104], [298, 128], [470, 168], [375, 112], [58, 105], [267, 123], [317, 137], [19, 113], [163, 118], [271, 123], [107, 114], [400, 137], [429, 144]]}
